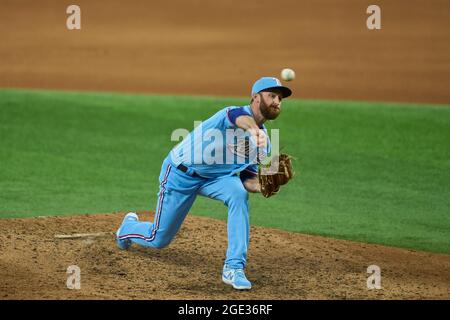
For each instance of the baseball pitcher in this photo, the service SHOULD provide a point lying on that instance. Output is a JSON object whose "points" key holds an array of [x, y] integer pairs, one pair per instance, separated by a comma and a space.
{"points": [[220, 159]]}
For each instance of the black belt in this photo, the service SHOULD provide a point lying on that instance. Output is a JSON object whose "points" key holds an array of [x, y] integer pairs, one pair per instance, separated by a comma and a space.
{"points": [[183, 168]]}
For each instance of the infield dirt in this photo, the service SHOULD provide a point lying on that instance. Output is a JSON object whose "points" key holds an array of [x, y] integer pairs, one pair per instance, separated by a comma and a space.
{"points": [[282, 265]]}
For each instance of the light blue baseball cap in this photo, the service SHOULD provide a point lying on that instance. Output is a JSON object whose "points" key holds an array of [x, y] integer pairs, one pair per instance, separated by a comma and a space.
{"points": [[267, 83]]}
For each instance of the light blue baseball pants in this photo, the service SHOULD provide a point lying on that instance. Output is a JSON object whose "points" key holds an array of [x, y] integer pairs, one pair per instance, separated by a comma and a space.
{"points": [[177, 193]]}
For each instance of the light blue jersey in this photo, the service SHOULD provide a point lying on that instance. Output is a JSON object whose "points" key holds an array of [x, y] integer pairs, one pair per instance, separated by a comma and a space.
{"points": [[217, 147]]}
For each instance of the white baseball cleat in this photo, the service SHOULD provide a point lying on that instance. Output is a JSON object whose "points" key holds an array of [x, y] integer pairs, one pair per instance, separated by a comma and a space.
{"points": [[236, 278], [124, 244]]}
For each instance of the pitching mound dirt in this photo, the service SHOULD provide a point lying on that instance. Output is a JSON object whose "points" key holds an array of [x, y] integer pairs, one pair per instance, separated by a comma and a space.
{"points": [[282, 265]]}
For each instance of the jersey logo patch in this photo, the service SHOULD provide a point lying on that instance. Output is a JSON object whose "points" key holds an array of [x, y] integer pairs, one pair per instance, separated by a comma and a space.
{"points": [[244, 150]]}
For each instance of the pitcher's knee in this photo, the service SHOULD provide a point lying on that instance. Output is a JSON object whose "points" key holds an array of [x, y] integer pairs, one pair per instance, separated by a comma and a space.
{"points": [[160, 242]]}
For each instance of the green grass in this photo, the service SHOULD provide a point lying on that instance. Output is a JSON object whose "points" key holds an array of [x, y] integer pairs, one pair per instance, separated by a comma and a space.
{"points": [[369, 172]]}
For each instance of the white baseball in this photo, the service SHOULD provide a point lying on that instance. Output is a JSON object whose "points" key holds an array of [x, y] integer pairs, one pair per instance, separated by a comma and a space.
{"points": [[287, 74]]}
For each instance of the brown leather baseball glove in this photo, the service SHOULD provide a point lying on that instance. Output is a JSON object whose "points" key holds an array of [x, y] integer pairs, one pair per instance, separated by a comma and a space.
{"points": [[272, 176]]}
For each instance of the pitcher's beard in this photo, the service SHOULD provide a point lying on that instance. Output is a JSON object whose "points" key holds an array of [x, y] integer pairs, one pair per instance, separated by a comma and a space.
{"points": [[268, 112]]}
